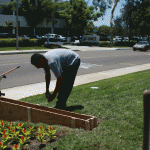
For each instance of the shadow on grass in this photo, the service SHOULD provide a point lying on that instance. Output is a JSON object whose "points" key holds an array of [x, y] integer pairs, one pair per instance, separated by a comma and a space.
{"points": [[72, 108]]}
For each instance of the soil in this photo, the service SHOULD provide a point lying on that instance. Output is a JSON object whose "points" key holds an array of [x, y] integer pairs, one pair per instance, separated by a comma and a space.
{"points": [[34, 144]]}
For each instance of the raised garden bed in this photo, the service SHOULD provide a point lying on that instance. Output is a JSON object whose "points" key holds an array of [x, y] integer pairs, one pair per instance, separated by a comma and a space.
{"points": [[14, 110]]}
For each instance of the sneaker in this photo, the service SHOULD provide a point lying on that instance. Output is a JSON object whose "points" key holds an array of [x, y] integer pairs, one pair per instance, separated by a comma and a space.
{"points": [[60, 107]]}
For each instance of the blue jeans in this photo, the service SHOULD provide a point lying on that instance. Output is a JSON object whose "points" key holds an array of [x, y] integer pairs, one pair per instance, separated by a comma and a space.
{"points": [[68, 76]]}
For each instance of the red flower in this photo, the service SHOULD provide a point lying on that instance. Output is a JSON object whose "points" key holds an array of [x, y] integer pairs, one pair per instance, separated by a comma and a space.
{"points": [[23, 138], [13, 130], [19, 124], [9, 127], [5, 136], [31, 127], [39, 134], [15, 146], [1, 143], [40, 127], [10, 123], [50, 128], [1, 120], [2, 123], [4, 131], [24, 130]]}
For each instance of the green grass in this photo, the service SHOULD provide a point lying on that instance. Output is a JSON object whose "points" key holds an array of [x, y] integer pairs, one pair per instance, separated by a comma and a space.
{"points": [[118, 101], [26, 48]]}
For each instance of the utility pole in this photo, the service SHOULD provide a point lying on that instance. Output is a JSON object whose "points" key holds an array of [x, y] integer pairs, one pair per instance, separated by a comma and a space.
{"points": [[17, 41]]}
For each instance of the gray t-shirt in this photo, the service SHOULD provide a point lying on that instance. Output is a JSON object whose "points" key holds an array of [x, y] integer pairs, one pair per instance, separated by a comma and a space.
{"points": [[58, 59]]}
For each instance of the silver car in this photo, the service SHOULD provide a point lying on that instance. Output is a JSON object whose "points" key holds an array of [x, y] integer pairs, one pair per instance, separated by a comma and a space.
{"points": [[142, 45]]}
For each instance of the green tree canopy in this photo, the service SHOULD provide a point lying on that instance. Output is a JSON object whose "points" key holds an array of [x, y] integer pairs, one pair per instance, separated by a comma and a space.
{"points": [[77, 14]]}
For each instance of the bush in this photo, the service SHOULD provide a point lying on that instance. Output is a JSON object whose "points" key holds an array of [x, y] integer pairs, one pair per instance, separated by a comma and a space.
{"points": [[124, 44], [11, 42], [104, 44], [52, 45]]}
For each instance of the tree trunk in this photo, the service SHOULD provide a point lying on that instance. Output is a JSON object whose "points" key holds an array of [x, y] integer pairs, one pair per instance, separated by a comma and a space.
{"points": [[47, 35], [111, 29]]}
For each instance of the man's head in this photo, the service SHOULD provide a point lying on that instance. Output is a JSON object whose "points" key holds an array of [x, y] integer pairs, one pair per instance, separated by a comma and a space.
{"points": [[38, 61]]}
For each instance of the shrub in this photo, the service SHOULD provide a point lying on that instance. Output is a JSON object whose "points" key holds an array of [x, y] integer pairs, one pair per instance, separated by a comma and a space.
{"points": [[11, 42]]}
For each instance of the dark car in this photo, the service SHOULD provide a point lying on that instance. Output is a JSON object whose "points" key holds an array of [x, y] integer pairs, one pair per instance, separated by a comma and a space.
{"points": [[142, 45]]}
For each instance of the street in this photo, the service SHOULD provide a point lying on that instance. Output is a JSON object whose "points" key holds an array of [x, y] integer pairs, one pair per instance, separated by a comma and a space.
{"points": [[91, 62]]}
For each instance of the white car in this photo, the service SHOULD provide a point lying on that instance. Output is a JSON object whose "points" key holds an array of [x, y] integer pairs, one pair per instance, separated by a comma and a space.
{"points": [[51, 36], [60, 38]]}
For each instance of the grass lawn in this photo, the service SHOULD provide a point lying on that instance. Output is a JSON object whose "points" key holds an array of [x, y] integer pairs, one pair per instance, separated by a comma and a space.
{"points": [[118, 101]]}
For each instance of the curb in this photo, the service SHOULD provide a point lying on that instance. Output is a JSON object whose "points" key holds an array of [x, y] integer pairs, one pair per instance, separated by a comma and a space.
{"points": [[23, 52]]}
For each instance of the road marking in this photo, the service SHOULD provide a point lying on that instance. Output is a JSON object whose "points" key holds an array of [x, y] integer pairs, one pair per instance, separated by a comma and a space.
{"points": [[88, 65]]}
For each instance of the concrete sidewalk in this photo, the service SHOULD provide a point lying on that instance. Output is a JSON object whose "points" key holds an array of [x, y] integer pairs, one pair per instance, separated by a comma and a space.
{"points": [[17, 93], [74, 48]]}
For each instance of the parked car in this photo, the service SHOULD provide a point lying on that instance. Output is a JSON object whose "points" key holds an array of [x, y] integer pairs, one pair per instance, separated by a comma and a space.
{"points": [[125, 39], [73, 38], [51, 36], [38, 37], [24, 36], [60, 38], [141, 45]]}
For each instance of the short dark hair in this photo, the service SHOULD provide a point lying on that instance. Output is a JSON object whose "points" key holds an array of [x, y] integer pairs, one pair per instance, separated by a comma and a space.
{"points": [[35, 59]]}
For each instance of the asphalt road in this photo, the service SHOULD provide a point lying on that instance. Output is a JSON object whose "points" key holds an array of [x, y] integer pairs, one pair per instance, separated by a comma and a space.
{"points": [[91, 62]]}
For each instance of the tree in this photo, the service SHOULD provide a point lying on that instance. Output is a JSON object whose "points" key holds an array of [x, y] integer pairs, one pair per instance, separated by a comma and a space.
{"points": [[49, 10], [89, 29], [77, 14], [30, 9], [104, 29], [9, 25], [136, 17], [103, 5]]}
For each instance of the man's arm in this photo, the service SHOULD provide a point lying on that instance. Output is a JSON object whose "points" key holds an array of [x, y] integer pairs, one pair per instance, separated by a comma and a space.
{"points": [[58, 84], [47, 79]]}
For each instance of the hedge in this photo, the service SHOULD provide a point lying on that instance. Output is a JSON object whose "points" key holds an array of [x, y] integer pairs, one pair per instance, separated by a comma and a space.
{"points": [[11, 42]]}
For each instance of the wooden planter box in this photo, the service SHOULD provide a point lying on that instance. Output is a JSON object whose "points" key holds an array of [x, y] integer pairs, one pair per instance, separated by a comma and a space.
{"points": [[13, 110]]}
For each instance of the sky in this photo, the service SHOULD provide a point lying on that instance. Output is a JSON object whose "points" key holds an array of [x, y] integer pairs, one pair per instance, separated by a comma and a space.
{"points": [[106, 17]]}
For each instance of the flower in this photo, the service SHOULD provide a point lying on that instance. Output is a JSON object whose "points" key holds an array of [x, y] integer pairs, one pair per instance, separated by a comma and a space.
{"points": [[19, 127], [31, 131], [41, 134], [51, 133], [15, 147], [14, 135], [22, 141], [9, 127], [41, 137], [25, 133], [4, 131], [1, 146]]}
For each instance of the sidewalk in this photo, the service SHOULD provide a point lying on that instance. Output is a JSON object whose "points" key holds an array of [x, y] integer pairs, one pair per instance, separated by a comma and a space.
{"points": [[74, 48], [17, 93]]}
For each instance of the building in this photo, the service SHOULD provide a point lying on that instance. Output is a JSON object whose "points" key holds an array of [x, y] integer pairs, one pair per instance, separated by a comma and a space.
{"points": [[9, 15]]}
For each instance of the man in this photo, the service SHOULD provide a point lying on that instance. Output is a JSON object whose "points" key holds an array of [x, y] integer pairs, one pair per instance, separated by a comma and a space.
{"points": [[64, 64]]}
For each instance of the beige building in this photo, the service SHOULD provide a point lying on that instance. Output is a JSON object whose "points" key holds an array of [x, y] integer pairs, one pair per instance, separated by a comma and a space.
{"points": [[23, 26]]}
